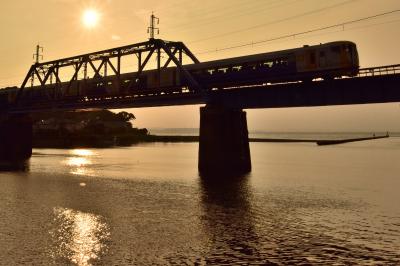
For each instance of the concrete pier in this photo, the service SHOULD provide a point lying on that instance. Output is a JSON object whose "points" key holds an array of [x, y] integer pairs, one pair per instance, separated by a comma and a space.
{"points": [[224, 143], [15, 141]]}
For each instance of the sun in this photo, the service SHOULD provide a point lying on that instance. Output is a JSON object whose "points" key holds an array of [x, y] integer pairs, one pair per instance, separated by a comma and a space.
{"points": [[90, 18]]}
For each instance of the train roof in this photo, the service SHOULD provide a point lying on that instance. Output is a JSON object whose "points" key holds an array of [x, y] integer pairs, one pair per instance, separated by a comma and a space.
{"points": [[256, 57]]}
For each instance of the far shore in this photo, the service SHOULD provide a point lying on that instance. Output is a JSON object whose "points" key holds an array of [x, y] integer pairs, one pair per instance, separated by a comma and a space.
{"points": [[98, 142], [158, 138]]}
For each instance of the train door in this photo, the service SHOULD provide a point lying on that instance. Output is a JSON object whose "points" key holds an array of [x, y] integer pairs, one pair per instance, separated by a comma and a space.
{"points": [[312, 59], [307, 60], [322, 59], [300, 61], [336, 57]]}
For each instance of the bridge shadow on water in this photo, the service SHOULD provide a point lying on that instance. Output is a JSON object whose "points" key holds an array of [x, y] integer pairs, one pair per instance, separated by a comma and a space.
{"points": [[229, 220], [15, 166]]}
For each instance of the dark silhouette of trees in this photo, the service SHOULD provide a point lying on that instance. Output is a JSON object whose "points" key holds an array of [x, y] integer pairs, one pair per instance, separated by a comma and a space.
{"points": [[126, 117]]}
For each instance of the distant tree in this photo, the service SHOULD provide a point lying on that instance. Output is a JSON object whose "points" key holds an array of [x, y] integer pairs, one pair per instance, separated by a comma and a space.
{"points": [[126, 117], [103, 115], [143, 131]]}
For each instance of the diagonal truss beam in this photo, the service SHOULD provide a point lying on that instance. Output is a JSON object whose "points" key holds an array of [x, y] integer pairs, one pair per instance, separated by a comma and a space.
{"points": [[44, 72], [141, 66], [170, 59], [186, 73]]}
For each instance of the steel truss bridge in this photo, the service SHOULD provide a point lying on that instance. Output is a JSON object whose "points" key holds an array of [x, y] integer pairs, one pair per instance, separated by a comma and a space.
{"points": [[59, 79], [101, 80]]}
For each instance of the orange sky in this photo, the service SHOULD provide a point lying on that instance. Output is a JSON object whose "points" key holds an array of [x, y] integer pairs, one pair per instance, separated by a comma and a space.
{"points": [[207, 25]]}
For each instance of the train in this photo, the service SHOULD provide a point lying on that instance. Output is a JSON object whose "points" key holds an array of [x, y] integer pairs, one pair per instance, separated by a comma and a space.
{"points": [[325, 61]]}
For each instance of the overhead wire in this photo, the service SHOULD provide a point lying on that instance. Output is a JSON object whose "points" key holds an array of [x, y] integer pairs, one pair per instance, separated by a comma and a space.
{"points": [[293, 35], [282, 20], [274, 22], [178, 4], [227, 13]]}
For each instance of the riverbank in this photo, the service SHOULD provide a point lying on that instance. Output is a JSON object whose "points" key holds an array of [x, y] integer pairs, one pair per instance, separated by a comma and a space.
{"points": [[102, 141], [342, 141]]}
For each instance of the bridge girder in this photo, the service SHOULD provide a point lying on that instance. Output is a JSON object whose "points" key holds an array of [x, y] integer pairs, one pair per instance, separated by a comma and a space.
{"points": [[98, 64], [347, 91]]}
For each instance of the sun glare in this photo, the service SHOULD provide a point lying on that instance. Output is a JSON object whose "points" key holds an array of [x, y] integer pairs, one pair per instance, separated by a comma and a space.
{"points": [[90, 18]]}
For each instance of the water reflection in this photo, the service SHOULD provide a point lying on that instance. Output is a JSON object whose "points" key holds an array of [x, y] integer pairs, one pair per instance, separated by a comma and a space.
{"points": [[82, 152], [81, 158], [79, 237], [78, 161], [82, 171], [229, 221], [15, 166]]}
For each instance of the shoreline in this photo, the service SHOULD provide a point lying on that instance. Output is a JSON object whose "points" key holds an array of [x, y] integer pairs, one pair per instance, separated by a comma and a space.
{"points": [[125, 141]]}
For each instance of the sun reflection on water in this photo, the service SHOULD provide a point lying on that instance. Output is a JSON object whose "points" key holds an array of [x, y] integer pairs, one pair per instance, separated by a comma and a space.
{"points": [[80, 237], [79, 161], [82, 152]]}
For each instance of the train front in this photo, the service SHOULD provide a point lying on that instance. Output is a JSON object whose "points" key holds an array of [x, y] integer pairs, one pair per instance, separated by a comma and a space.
{"points": [[351, 48]]}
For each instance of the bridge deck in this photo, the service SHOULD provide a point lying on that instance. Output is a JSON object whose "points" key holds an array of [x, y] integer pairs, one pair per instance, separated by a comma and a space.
{"points": [[363, 89]]}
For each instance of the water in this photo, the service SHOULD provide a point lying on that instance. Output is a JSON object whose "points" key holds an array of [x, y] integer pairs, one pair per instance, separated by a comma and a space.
{"points": [[146, 205], [276, 135]]}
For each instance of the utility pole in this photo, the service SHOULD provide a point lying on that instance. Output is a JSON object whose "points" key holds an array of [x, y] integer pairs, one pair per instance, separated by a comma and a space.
{"points": [[37, 56], [152, 27]]}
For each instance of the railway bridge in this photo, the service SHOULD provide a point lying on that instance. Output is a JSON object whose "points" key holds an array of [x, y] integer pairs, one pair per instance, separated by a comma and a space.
{"points": [[135, 76]]}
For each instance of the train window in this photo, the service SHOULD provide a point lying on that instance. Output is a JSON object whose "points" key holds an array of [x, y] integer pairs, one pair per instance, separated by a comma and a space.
{"points": [[336, 49], [221, 70], [268, 64]]}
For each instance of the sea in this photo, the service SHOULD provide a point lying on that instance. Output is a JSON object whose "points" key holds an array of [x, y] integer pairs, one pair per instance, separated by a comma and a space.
{"points": [[259, 134], [302, 204]]}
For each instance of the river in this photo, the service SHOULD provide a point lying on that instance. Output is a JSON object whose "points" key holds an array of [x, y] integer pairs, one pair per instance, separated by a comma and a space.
{"points": [[146, 205]]}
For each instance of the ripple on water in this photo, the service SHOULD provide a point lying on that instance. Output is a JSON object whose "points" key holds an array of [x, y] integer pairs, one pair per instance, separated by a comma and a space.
{"points": [[79, 237]]}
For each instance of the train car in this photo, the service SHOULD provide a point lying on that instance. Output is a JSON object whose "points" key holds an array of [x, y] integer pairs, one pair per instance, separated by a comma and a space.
{"points": [[328, 60], [332, 59]]}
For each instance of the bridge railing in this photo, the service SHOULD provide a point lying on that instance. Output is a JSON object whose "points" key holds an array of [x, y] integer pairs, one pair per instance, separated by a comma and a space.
{"points": [[379, 71]]}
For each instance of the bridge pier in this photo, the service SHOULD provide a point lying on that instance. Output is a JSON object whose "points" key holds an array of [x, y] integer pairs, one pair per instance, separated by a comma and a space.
{"points": [[15, 141], [224, 143]]}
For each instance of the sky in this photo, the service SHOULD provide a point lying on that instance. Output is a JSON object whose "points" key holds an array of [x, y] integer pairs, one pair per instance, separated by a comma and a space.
{"points": [[206, 27]]}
